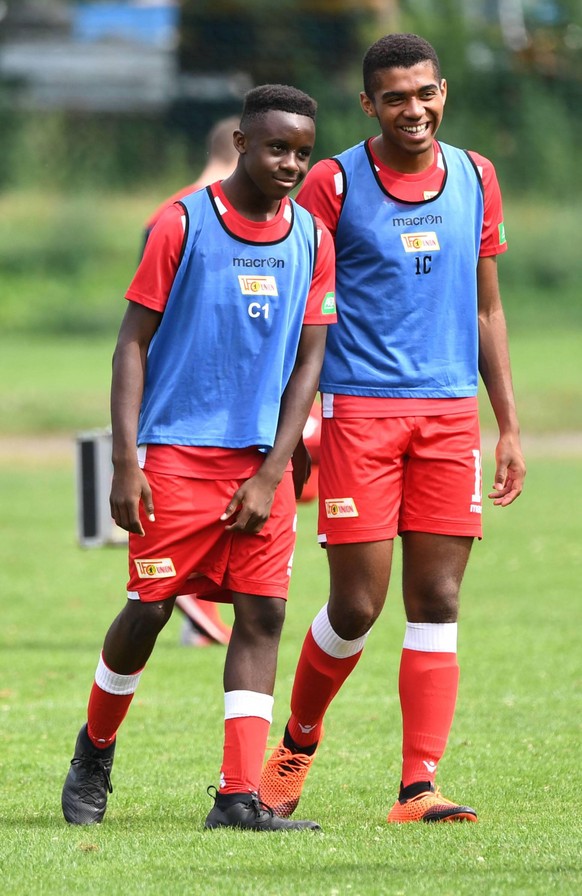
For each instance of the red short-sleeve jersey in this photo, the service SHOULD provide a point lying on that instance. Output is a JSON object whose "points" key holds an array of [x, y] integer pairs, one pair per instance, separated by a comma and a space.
{"points": [[154, 277], [151, 286], [322, 193]]}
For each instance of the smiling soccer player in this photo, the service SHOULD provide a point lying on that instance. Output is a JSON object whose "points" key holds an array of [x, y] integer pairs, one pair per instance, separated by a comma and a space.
{"points": [[215, 370]]}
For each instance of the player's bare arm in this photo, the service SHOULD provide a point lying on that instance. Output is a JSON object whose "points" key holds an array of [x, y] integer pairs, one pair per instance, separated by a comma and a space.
{"points": [[495, 370], [255, 496], [129, 485]]}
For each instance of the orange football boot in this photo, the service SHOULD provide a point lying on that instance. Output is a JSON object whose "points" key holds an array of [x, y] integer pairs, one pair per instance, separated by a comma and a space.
{"points": [[429, 806], [283, 778]]}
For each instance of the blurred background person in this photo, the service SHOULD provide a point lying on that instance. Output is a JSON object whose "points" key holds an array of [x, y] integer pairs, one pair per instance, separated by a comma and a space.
{"points": [[221, 162]]}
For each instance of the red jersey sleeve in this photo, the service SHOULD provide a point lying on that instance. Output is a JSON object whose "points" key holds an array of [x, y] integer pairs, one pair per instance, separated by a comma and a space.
{"points": [[154, 277], [320, 308], [322, 192], [493, 240]]}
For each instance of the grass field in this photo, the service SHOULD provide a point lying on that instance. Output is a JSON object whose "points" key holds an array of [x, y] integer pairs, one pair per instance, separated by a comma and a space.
{"points": [[513, 754], [514, 750]]}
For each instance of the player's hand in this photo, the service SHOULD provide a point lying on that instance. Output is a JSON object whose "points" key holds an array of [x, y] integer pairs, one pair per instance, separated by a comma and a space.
{"points": [[509, 473], [301, 461], [250, 506], [129, 487]]}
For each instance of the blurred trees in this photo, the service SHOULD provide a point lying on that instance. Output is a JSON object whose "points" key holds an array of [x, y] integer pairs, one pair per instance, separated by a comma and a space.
{"points": [[514, 69], [515, 81]]}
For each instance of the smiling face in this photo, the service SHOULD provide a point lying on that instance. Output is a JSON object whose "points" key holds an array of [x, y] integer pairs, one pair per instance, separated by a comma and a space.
{"points": [[409, 104], [276, 148]]}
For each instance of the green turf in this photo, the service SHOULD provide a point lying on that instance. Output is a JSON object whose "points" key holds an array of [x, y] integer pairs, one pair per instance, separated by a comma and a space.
{"points": [[515, 746], [57, 385], [514, 751]]}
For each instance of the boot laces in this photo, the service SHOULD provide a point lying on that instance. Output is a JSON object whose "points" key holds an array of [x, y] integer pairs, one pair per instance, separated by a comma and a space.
{"points": [[259, 806], [97, 773], [290, 763]]}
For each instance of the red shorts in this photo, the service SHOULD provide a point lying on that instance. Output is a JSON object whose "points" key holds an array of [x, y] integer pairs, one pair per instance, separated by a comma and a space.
{"points": [[382, 476], [187, 550]]}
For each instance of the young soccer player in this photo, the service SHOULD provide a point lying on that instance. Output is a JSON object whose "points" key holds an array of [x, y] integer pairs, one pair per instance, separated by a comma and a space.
{"points": [[203, 624], [418, 226], [214, 373]]}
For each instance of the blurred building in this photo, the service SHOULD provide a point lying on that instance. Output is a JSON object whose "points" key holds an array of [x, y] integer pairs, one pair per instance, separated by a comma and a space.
{"points": [[148, 55], [189, 63], [102, 57]]}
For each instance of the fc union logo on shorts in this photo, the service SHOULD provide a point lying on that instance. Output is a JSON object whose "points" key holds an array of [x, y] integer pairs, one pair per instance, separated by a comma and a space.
{"points": [[258, 286], [155, 569], [340, 507]]}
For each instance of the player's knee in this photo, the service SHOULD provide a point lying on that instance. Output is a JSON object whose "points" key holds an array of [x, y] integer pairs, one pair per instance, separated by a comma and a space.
{"points": [[353, 618], [270, 620], [259, 618], [146, 620], [438, 601]]}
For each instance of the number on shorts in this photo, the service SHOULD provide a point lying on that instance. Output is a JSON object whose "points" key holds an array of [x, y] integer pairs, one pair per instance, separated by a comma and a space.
{"points": [[476, 499]]}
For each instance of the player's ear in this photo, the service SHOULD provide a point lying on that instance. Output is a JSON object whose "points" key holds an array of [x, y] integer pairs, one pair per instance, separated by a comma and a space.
{"points": [[240, 141], [367, 105], [444, 90]]}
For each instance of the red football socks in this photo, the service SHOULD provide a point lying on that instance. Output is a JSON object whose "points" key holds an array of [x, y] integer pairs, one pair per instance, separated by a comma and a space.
{"points": [[109, 701], [428, 685], [105, 714], [245, 742], [318, 678]]}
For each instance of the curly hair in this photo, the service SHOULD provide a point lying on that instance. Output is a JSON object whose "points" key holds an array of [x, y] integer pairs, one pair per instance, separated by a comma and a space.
{"points": [[397, 51], [278, 97]]}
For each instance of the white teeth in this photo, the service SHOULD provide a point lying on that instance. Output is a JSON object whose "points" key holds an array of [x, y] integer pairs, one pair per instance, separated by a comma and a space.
{"points": [[418, 129]]}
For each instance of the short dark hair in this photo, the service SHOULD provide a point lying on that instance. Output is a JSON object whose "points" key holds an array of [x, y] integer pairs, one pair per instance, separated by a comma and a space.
{"points": [[397, 51], [277, 97]]}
